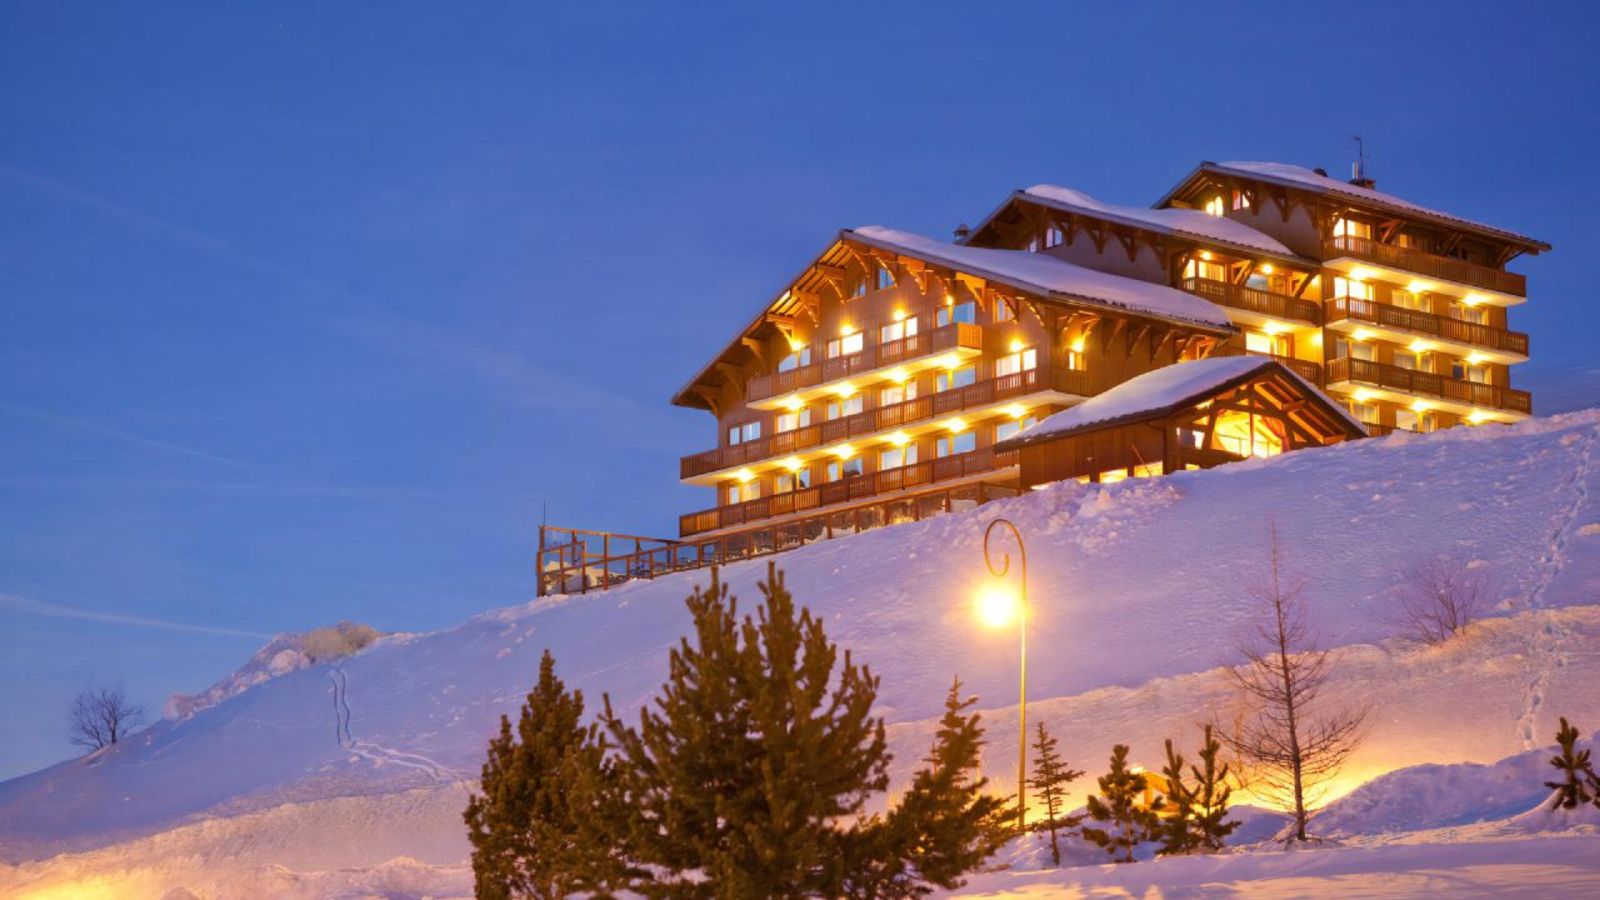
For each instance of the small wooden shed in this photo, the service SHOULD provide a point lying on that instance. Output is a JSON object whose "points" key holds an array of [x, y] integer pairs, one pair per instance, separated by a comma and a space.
{"points": [[1191, 415]]}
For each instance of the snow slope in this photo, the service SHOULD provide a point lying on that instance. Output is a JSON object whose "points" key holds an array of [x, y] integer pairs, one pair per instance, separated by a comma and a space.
{"points": [[1138, 589]]}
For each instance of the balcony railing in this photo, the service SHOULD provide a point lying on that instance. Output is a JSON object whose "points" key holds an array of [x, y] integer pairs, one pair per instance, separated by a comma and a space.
{"points": [[1310, 371], [884, 418], [873, 356], [1279, 306], [1429, 384], [1421, 262], [1419, 322], [860, 487]]}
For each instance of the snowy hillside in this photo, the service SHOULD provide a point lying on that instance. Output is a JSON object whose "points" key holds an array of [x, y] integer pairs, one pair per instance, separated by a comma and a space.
{"points": [[344, 778]]}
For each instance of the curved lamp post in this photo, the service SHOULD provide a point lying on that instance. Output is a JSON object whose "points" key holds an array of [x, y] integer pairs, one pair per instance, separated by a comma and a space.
{"points": [[997, 605]]}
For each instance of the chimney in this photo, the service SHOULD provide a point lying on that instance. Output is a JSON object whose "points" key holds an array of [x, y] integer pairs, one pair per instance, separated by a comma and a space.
{"points": [[1321, 171], [963, 232], [1359, 178]]}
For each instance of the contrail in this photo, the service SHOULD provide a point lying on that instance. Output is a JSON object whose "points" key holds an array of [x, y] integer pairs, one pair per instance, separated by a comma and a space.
{"points": [[131, 437], [62, 611]]}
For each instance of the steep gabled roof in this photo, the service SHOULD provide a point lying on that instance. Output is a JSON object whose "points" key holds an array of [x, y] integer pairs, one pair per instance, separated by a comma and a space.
{"points": [[1191, 224], [1301, 178], [1164, 391], [1054, 278]]}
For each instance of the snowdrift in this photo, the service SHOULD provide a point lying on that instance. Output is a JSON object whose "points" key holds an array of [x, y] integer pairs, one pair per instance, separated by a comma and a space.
{"points": [[1139, 596]]}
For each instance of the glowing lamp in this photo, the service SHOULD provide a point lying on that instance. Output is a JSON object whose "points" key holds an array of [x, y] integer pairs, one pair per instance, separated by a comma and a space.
{"points": [[844, 451], [1205, 254], [845, 390], [899, 439], [898, 375], [950, 361], [1475, 358], [793, 464], [997, 606], [1016, 410], [956, 425], [1362, 395], [899, 315], [1418, 346], [1266, 268], [793, 404], [744, 475], [1077, 346], [1016, 345], [1421, 406], [1361, 334]]}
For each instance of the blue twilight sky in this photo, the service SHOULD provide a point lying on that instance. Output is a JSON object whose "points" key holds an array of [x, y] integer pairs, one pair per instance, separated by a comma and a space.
{"points": [[307, 308]]}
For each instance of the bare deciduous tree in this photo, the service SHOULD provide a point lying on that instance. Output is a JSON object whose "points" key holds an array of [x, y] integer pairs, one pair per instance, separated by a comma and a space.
{"points": [[1440, 596], [1291, 745], [103, 716]]}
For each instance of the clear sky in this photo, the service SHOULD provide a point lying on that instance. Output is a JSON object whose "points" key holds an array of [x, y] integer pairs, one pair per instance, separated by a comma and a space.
{"points": [[307, 310]]}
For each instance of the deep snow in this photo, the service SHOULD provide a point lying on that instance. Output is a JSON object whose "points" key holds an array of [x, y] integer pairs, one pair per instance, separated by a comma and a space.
{"points": [[333, 780]]}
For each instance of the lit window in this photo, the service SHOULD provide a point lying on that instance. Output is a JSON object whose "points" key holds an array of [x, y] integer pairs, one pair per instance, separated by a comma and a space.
{"points": [[895, 457], [952, 444], [1408, 300], [1010, 427], [800, 357], [744, 493], [1352, 228], [1465, 313], [885, 277], [846, 406], [1206, 269], [844, 346], [1244, 434], [739, 434], [1349, 287], [1417, 362], [838, 470], [1411, 420], [798, 480], [1465, 371], [1003, 311], [894, 331], [1149, 471], [1012, 363], [1366, 413], [1343, 347], [960, 312], [1241, 200], [1267, 344], [1054, 237], [1115, 475], [898, 393], [1214, 206], [950, 379], [1076, 361], [789, 421]]}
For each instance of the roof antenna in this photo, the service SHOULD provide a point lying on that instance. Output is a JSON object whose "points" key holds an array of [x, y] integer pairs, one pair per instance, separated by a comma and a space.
{"points": [[1358, 170]]}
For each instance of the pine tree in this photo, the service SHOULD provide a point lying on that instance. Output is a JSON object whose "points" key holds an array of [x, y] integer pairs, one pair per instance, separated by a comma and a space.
{"points": [[525, 826], [1177, 828], [1050, 778], [1578, 778], [741, 775], [946, 826], [1129, 824], [1208, 798]]}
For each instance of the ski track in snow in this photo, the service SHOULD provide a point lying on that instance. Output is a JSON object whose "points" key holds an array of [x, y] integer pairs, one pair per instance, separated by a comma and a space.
{"points": [[379, 754], [1546, 654]]}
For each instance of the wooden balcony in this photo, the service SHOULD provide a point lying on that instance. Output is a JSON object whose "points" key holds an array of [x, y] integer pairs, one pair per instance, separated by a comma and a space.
{"points": [[1421, 262], [874, 356], [885, 418], [1278, 306], [862, 487], [1429, 384], [1416, 321]]}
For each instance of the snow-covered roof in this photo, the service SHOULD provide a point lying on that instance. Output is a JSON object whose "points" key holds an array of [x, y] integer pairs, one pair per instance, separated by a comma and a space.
{"points": [[1048, 276], [1191, 223], [1299, 176], [1162, 391]]}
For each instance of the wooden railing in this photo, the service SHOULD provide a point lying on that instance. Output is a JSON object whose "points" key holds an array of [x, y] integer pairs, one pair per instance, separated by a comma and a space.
{"points": [[1280, 306], [575, 567], [884, 418], [860, 487], [1419, 322], [1310, 371], [1429, 384], [872, 356], [1424, 263]]}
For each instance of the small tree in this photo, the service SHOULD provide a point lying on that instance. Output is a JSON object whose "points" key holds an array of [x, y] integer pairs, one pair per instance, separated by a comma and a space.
{"points": [[1293, 747], [527, 828], [101, 717], [1440, 596], [1178, 834], [1208, 798], [946, 824], [1579, 783], [1050, 778], [1128, 823]]}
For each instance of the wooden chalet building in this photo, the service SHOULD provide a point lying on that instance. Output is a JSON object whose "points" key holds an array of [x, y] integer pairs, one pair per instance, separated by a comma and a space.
{"points": [[899, 376]]}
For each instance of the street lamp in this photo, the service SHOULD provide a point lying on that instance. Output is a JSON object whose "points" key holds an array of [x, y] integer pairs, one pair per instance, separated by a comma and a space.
{"points": [[997, 606]]}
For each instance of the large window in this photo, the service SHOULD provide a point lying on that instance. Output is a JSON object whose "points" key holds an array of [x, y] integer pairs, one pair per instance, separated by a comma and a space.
{"points": [[846, 345], [895, 457], [960, 312], [1244, 434], [1351, 228], [897, 393], [1366, 413], [801, 356], [1349, 287], [1010, 427], [894, 331], [950, 379], [1012, 363], [790, 421], [798, 480], [1408, 299], [1465, 313], [1344, 347], [1465, 371], [952, 444], [841, 469], [1214, 206], [739, 434], [744, 492], [1410, 359], [844, 406], [1205, 268], [1269, 344], [1411, 420]]}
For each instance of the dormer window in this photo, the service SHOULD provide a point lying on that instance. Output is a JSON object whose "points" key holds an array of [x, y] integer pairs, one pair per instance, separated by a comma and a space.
{"points": [[1241, 200], [1054, 237], [1214, 206], [885, 278]]}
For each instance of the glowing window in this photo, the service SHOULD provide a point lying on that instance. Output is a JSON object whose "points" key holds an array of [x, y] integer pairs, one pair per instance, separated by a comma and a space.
{"points": [[898, 393], [846, 406], [1012, 363], [798, 480], [951, 379], [952, 444], [894, 331], [800, 357], [960, 312], [792, 420], [1010, 427], [895, 457], [1214, 206], [844, 346]]}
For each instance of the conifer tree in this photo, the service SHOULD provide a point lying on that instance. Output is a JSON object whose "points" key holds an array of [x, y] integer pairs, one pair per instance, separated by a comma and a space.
{"points": [[1127, 823], [1050, 778], [946, 825], [525, 826], [742, 773], [1208, 797], [1177, 827], [1578, 779]]}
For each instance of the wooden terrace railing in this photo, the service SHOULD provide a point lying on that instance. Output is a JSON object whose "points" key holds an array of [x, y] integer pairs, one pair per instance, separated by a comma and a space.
{"points": [[1422, 262], [1416, 321], [1279, 306], [884, 418], [872, 356], [573, 566], [1429, 384]]}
